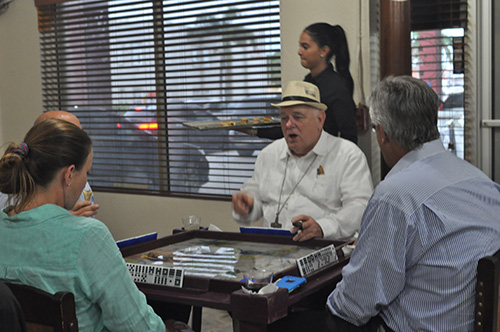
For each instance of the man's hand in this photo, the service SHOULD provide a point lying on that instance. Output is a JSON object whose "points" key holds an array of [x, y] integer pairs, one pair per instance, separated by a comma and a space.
{"points": [[310, 229], [242, 204], [84, 209]]}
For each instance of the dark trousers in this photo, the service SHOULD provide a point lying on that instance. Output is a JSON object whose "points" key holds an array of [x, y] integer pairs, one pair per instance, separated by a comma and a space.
{"points": [[167, 310], [323, 321]]}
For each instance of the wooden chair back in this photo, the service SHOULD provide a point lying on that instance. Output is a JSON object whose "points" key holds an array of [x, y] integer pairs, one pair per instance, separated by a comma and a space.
{"points": [[45, 312], [487, 313]]}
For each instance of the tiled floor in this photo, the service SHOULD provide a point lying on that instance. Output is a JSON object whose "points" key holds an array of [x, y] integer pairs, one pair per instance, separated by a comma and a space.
{"points": [[213, 320]]}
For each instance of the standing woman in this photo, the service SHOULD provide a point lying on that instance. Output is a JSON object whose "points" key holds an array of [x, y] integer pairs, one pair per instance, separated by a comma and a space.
{"points": [[318, 44], [43, 245]]}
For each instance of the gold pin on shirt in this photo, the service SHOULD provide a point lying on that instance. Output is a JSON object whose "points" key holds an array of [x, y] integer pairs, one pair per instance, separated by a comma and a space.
{"points": [[320, 170]]}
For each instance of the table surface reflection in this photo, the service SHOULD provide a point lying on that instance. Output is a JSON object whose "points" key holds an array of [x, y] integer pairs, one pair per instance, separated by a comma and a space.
{"points": [[222, 259]]}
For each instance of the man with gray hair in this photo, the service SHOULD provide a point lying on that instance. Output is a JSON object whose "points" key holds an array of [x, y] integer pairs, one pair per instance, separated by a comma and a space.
{"points": [[424, 230]]}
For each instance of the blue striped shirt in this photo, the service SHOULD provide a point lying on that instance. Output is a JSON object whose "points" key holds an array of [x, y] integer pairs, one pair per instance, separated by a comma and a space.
{"points": [[422, 234]]}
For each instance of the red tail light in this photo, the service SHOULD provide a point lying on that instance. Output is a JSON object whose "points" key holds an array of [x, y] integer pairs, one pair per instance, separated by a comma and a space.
{"points": [[148, 126]]}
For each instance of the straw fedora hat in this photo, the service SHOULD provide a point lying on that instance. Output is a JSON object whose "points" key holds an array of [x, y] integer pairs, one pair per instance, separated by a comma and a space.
{"points": [[301, 93]]}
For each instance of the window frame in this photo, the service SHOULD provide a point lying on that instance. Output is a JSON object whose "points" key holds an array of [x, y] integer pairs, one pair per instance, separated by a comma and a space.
{"points": [[55, 95]]}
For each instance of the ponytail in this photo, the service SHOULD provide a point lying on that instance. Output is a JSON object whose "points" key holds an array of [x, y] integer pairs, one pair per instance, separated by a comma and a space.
{"points": [[342, 58], [15, 179]]}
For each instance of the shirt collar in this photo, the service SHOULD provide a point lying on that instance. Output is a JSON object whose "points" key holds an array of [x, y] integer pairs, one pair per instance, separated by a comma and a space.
{"points": [[320, 76], [426, 150]]}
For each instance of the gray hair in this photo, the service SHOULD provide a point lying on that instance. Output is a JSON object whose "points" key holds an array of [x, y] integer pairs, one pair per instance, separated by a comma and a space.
{"points": [[407, 109]]}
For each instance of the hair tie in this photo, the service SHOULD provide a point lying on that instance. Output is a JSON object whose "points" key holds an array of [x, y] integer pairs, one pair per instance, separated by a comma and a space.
{"points": [[21, 150]]}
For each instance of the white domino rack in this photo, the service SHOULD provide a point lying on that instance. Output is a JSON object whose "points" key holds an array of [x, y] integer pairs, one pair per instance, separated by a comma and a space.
{"points": [[156, 275], [317, 260]]}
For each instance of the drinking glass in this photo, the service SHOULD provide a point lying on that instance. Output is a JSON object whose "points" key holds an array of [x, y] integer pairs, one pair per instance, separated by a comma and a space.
{"points": [[191, 222], [257, 278]]}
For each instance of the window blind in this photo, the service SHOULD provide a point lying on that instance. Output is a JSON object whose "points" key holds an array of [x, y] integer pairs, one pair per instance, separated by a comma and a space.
{"points": [[438, 14], [438, 57], [136, 72]]}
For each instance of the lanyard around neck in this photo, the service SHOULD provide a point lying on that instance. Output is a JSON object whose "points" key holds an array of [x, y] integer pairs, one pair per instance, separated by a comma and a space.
{"points": [[276, 223]]}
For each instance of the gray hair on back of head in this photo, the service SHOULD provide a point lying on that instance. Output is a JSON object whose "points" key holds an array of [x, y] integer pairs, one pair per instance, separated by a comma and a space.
{"points": [[407, 109]]}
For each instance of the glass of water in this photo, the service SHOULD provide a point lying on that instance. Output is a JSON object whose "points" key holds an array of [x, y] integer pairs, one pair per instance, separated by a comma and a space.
{"points": [[191, 222]]}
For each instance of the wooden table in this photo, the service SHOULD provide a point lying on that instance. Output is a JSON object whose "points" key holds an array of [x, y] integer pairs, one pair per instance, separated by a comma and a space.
{"points": [[249, 312]]}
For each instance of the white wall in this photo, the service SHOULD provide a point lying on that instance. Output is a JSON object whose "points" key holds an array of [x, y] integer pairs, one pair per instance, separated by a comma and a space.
{"points": [[20, 82], [129, 215]]}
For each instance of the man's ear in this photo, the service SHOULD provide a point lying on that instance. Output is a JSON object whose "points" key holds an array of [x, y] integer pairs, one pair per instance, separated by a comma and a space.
{"points": [[383, 136], [321, 117]]}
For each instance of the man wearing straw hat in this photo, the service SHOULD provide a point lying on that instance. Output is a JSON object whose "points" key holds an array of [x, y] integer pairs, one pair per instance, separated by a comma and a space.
{"points": [[309, 178]]}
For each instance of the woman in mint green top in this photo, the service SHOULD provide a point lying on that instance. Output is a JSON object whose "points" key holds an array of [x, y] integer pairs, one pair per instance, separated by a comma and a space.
{"points": [[43, 245]]}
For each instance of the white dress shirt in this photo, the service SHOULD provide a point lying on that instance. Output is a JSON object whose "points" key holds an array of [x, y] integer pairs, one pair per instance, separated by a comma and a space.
{"points": [[334, 190], [3, 200]]}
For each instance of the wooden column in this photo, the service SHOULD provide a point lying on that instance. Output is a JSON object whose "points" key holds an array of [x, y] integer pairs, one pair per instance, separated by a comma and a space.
{"points": [[395, 44]]}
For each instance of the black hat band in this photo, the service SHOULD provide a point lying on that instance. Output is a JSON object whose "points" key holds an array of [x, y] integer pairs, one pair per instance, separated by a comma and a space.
{"points": [[310, 100]]}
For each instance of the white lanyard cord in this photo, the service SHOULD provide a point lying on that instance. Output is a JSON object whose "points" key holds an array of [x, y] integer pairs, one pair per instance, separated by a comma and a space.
{"points": [[276, 223]]}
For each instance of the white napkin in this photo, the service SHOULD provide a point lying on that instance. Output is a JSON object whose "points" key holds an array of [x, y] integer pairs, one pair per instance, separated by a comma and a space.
{"points": [[212, 227], [348, 249], [268, 289]]}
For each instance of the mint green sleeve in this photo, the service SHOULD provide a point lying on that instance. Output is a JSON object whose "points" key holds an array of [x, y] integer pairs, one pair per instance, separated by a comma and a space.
{"points": [[106, 281]]}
